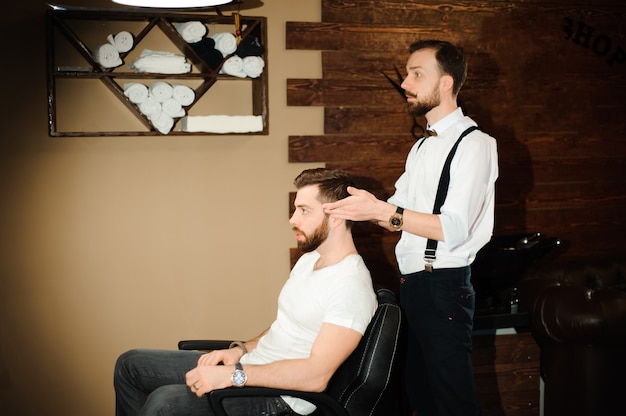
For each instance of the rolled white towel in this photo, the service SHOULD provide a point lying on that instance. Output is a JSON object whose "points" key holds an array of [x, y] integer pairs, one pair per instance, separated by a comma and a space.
{"points": [[192, 32], [233, 66], [137, 93], [123, 41], [151, 107], [107, 56], [161, 91], [183, 94], [163, 123], [225, 42], [173, 108], [253, 66]]}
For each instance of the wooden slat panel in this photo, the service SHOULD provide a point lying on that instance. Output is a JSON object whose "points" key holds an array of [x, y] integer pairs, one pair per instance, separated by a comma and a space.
{"points": [[560, 145], [363, 65], [405, 12], [350, 148], [362, 37], [320, 92], [370, 120]]}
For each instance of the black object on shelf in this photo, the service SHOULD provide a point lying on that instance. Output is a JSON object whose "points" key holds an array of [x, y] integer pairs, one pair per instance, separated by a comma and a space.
{"points": [[501, 263]]}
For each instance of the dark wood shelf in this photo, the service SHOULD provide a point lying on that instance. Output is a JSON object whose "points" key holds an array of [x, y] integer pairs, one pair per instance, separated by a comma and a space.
{"points": [[59, 25]]}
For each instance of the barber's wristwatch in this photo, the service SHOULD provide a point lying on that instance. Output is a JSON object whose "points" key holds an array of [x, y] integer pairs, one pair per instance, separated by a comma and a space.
{"points": [[396, 219], [239, 377]]}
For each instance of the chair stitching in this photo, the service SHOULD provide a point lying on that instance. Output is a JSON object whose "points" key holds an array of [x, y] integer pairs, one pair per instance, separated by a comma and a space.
{"points": [[390, 367], [378, 317]]}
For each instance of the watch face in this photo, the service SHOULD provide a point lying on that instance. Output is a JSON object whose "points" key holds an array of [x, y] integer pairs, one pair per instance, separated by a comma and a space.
{"points": [[395, 221], [239, 378]]}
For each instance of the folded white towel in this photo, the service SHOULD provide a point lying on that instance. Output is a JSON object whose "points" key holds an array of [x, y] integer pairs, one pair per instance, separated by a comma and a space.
{"points": [[161, 91], [161, 62], [225, 42], [192, 32], [222, 124], [183, 94], [173, 108], [163, 123], [253, 66], [151, 107], [107, 56], [137, 93], [233, 66], [123, 41]]}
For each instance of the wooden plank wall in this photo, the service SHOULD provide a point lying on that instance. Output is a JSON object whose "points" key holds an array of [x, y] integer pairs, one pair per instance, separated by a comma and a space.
{"points": [[546, 79]]}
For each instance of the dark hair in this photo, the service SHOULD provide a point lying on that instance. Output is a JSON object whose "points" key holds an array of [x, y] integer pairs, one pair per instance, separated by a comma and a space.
{"points": [[450, 58], [333, 184]]}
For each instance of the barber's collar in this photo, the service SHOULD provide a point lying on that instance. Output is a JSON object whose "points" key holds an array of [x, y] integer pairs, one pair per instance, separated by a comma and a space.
{"points": [[443, 124]]}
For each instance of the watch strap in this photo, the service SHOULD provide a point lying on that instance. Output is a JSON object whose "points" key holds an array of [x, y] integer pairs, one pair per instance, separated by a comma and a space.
{"points": [[395, 221]]}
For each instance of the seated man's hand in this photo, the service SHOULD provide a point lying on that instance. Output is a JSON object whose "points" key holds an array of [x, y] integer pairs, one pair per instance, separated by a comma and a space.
{"points": [[204, 379], [227, 357]]}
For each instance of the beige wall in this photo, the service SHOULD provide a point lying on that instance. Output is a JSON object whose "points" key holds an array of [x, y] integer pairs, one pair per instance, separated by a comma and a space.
{"points": [[112, 243]]}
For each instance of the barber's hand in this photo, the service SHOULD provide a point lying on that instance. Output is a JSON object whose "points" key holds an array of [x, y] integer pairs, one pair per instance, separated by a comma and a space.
{"points": [[204, 379], [227, 357], [359, 206]]}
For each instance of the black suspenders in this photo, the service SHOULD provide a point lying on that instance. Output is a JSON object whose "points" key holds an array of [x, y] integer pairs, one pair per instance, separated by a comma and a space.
{"points": [[442, 192]]}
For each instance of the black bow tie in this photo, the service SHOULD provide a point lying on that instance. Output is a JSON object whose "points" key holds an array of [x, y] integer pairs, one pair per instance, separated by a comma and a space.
{"points": [[428, 133]]}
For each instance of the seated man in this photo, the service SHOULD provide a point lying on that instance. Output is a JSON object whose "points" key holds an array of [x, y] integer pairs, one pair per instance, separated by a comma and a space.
{"points": [[323, 310]]}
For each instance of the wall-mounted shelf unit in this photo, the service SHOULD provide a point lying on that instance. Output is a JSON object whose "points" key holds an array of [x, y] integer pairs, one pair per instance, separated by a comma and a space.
{"points": [[86, 98]]}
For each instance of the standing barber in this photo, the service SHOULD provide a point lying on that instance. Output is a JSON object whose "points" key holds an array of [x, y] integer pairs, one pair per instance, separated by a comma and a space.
{"points": [[438, 243]]}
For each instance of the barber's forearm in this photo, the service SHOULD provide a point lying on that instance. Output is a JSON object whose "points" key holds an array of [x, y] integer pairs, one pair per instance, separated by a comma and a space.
{"points": [[424, 225], [418, 223]]}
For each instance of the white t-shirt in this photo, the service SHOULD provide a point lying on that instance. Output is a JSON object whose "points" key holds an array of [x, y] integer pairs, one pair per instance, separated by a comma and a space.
{"points": [[340, 294]]}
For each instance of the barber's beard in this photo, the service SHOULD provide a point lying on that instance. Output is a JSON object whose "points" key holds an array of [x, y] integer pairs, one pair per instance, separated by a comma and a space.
{"points": [[313, 241], [419, 108]]}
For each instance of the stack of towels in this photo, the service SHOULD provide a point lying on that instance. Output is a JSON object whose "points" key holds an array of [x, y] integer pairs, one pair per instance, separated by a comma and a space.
{"points": [[160, 62], [242, 60], [108, 54], [161, 102]]}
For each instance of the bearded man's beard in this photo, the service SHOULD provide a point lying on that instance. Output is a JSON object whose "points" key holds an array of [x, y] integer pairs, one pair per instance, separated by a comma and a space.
{"points": [[421, 107], [313, 241]]}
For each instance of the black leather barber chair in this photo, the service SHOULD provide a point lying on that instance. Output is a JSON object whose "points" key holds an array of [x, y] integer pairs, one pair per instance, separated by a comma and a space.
{"points": [[365, 384]]}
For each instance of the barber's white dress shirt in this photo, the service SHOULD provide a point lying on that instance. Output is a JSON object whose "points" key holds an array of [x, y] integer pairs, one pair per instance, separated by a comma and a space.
{"points": [[467, 215]]}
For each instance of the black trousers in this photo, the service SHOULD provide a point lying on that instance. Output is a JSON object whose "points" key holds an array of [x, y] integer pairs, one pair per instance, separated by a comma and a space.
{"points": [[439, 307]]}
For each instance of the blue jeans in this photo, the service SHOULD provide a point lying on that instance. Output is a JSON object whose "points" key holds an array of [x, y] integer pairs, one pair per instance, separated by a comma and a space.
{"points": [[152, 383], [439, 307]]}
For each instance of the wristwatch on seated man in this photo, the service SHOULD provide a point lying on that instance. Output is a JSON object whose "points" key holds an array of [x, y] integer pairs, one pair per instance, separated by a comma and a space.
{"points": [[239, 376], [396, 219]]}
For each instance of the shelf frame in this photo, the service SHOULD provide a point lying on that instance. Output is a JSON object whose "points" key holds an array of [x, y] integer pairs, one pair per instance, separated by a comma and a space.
{"points": [[57, 18]]}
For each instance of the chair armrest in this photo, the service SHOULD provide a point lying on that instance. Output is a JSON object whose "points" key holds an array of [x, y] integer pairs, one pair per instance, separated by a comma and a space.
{"points": [[326, 405], [204, 344]]}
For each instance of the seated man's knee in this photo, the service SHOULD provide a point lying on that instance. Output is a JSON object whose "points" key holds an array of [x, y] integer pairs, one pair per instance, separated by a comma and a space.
{"points": [[175, 400], [125, 363]]}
